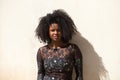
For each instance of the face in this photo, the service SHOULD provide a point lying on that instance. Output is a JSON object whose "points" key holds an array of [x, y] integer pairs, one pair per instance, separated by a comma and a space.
{"points": [[54, 32]]}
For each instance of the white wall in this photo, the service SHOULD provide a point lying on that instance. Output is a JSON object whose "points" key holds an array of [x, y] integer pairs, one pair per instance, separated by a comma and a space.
{"points": [[98, 22]]}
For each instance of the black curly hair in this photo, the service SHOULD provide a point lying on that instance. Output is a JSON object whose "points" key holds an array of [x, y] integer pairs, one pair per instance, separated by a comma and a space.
{"points": [[64, 22]]}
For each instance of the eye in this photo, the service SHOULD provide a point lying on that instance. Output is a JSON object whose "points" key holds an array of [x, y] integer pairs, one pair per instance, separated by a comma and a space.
{"points": [[52, 30]]}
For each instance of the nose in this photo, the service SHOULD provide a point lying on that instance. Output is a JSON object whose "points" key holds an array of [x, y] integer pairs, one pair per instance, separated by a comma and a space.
{"points": [[56, 32]]}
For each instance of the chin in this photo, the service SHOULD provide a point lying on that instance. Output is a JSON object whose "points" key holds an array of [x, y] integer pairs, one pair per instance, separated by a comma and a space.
{"points": [[56, 40]]}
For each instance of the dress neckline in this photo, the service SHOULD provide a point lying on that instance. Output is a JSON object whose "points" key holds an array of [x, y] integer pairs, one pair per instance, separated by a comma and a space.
{"points": [[55, 48]]}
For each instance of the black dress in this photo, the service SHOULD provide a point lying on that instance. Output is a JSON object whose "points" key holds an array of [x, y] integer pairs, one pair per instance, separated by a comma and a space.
{"points": [[57, 64]]}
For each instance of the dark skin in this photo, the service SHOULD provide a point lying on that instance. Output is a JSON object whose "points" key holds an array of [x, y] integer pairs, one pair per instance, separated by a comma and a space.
{"points": [[55, 35]]}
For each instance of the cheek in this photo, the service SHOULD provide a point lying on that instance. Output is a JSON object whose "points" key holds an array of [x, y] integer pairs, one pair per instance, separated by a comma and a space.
{"points": [[50, 34], [60, 33]]}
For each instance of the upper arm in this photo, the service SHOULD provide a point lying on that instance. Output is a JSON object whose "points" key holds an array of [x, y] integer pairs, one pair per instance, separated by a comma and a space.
{"points": [[40, 62], [78, 63]]}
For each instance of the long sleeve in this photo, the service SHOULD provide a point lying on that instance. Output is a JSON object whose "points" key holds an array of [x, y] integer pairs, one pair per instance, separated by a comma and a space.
{"points": [[40, 66], [78, 63]]}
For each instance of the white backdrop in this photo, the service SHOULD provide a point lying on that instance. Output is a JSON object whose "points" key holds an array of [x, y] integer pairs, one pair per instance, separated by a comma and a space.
{"points": [[98, 22]]}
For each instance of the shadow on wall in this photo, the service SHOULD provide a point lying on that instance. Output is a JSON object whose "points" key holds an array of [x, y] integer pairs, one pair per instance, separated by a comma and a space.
{"points": [[93, 68]]}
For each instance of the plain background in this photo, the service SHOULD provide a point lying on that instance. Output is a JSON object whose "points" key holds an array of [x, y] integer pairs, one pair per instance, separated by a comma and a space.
{"points": [[98, 22]]}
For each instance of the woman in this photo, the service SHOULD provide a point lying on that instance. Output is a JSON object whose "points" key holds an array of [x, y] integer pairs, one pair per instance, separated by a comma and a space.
{"points": [[56, 59]]}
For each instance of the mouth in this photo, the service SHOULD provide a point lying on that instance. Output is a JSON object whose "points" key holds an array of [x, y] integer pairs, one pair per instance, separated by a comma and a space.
{"points": [[55, 37]]}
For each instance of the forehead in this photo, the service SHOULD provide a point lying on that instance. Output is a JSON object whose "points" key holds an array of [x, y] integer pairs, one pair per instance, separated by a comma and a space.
{"points": [[54, 25]]}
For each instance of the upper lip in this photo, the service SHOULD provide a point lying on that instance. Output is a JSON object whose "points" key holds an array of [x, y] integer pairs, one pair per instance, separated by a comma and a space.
{"points": [[55, 36]]}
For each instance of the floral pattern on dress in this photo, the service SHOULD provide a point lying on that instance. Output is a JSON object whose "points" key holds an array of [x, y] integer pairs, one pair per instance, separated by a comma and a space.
{"points": [[57, 64]]}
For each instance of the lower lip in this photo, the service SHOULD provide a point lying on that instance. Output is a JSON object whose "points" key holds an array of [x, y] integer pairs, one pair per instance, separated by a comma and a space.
{"points": [[55, 37]]}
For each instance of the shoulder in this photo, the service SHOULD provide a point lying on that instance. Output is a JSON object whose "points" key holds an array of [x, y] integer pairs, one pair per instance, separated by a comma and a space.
{"points": [[43, 48], [73, 45], [41, 51]]}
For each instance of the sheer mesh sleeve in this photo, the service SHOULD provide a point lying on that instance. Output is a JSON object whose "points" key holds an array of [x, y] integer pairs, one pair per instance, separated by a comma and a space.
{"points": [[78, 63], [40, 66]]}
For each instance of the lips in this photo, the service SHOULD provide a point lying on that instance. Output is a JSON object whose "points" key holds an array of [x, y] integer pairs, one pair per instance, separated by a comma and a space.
{"points": [[56, 36]]}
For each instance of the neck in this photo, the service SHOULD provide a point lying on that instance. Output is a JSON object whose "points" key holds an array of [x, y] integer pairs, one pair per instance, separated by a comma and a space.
{"points": [[56, 44]]}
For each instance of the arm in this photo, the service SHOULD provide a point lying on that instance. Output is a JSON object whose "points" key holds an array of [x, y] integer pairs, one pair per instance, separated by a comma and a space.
{"points": [[40, 66], [78, 63]]}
